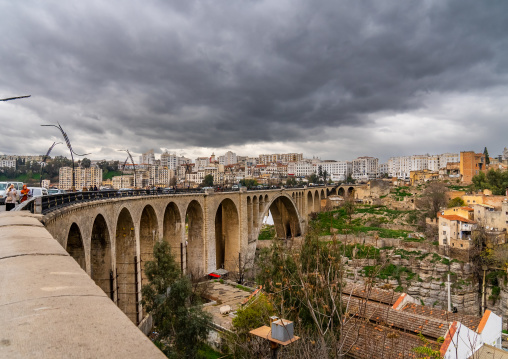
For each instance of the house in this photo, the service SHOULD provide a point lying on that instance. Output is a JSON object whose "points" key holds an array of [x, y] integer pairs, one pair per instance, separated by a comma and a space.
{"points": [[387, 324], [455, 231]]}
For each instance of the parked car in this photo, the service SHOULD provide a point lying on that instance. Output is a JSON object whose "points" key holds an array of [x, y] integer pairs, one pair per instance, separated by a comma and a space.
{"points": [[235, 187], [168, 190], [37, 191], [56, 191]]}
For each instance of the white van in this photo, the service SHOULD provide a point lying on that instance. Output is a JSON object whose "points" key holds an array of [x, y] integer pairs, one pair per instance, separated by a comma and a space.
{"points": [[37, 192], [6, 184]]}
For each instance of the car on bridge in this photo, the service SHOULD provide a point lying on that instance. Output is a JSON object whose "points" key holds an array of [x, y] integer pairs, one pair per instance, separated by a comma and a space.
{"points": [[56, 191], [37, 191]]}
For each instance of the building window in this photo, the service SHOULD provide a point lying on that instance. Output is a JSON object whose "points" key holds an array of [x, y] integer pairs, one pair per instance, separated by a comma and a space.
{"points": [[461, 245], [444, 232]]}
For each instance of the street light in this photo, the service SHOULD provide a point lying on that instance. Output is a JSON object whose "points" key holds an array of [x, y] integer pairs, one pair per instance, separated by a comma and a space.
{"points": [[133, 165], [69, 146], [46, 157], [14, 98]]}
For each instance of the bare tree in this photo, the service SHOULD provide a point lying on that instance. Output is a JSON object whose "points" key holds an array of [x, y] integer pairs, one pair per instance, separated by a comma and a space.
{"points": [[433, 199]]}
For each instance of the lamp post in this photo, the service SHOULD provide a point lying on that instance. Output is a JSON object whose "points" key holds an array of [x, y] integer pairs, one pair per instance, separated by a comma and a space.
{"points": [[69, 146], [14, 98], [133, 165], [46, 157]]}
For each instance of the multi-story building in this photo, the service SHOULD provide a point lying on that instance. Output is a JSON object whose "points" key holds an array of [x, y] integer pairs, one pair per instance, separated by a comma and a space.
{"points": [[383, 169], [471, 164], [365, 168], [172, 161], [280, 157], [147, 158], [202, 162], [8, 163], [230, 158], [401, 167], [336, 170], [125, 181], [300, 168], [83, 177]]}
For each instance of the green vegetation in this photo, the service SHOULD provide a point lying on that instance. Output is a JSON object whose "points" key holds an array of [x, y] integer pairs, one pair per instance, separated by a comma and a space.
{"points": [[340, 220], [207, 181], [389, 271], [247, 289], [248, 183], [207, 352], [494, 180], [456, 202], [175, 306], [401, 192], [110, 174], [267, 232]]}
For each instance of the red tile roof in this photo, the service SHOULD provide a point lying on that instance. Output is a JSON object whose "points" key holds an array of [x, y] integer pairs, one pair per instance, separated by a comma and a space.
{"points": [[454, 217]]}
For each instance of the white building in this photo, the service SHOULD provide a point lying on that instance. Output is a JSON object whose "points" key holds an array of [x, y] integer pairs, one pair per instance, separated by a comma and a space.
{"points": [[147, 158], [365, 168], [8, 163], [336, 170], [401, 167]]}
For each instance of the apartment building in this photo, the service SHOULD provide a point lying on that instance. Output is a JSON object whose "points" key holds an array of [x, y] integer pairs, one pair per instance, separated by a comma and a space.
{"points": [[471, 164], [283, 158], [125, 181], [365, 168], [83, 177], [147, 158], [8, 163], [402, 166]]}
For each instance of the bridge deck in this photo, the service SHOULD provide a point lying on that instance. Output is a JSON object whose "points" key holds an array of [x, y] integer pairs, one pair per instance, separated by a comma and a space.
{"points": [[50, 308]]}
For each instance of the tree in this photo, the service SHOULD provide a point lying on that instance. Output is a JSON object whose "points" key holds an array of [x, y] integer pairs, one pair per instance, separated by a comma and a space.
{"points": [[85, 163], [325, 175], [494, 180], [433, 199], [248, 182], [350, 179], [177, 313], [456, 202], [486, 155], [320, 172], [313, 178], [207, 181]]}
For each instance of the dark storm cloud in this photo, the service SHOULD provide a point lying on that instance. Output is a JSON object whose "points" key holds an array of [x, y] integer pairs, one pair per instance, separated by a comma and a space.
{"points": [[219, 73]]}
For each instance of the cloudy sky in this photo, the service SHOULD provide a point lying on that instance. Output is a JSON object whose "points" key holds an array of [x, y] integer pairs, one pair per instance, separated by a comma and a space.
{"points": [[330, 78]]}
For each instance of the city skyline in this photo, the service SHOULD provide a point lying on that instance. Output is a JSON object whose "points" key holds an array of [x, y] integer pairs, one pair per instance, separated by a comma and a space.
{"points": [[331, 79]]}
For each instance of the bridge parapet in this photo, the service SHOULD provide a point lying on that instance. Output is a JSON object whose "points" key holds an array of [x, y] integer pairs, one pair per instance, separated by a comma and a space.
{"points": [[50, 308]]}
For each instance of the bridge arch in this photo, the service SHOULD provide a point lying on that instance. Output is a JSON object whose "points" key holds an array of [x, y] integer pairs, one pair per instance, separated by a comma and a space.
{"points": [[172, 230], [126, 265], [75, 245], [148, 235], [310, 203], [195, 241], [227, 235], [285, 217], [341, 192], [100, 255], [351, 191], [317, 201]]}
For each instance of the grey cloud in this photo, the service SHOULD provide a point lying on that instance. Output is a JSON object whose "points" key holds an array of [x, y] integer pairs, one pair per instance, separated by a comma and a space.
{"points": [[222, 73]]}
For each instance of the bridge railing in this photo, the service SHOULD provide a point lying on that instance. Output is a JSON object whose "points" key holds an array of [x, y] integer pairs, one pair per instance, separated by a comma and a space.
{"points": [[45, 204], [53, 202]]}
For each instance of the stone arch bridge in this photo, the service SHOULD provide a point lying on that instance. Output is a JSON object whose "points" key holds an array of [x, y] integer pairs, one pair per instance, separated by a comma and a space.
{"points": [[111, 239]]}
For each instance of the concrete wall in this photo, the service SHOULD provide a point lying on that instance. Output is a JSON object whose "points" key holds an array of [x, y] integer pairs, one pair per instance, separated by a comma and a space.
{"points": [[50, 307]]}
